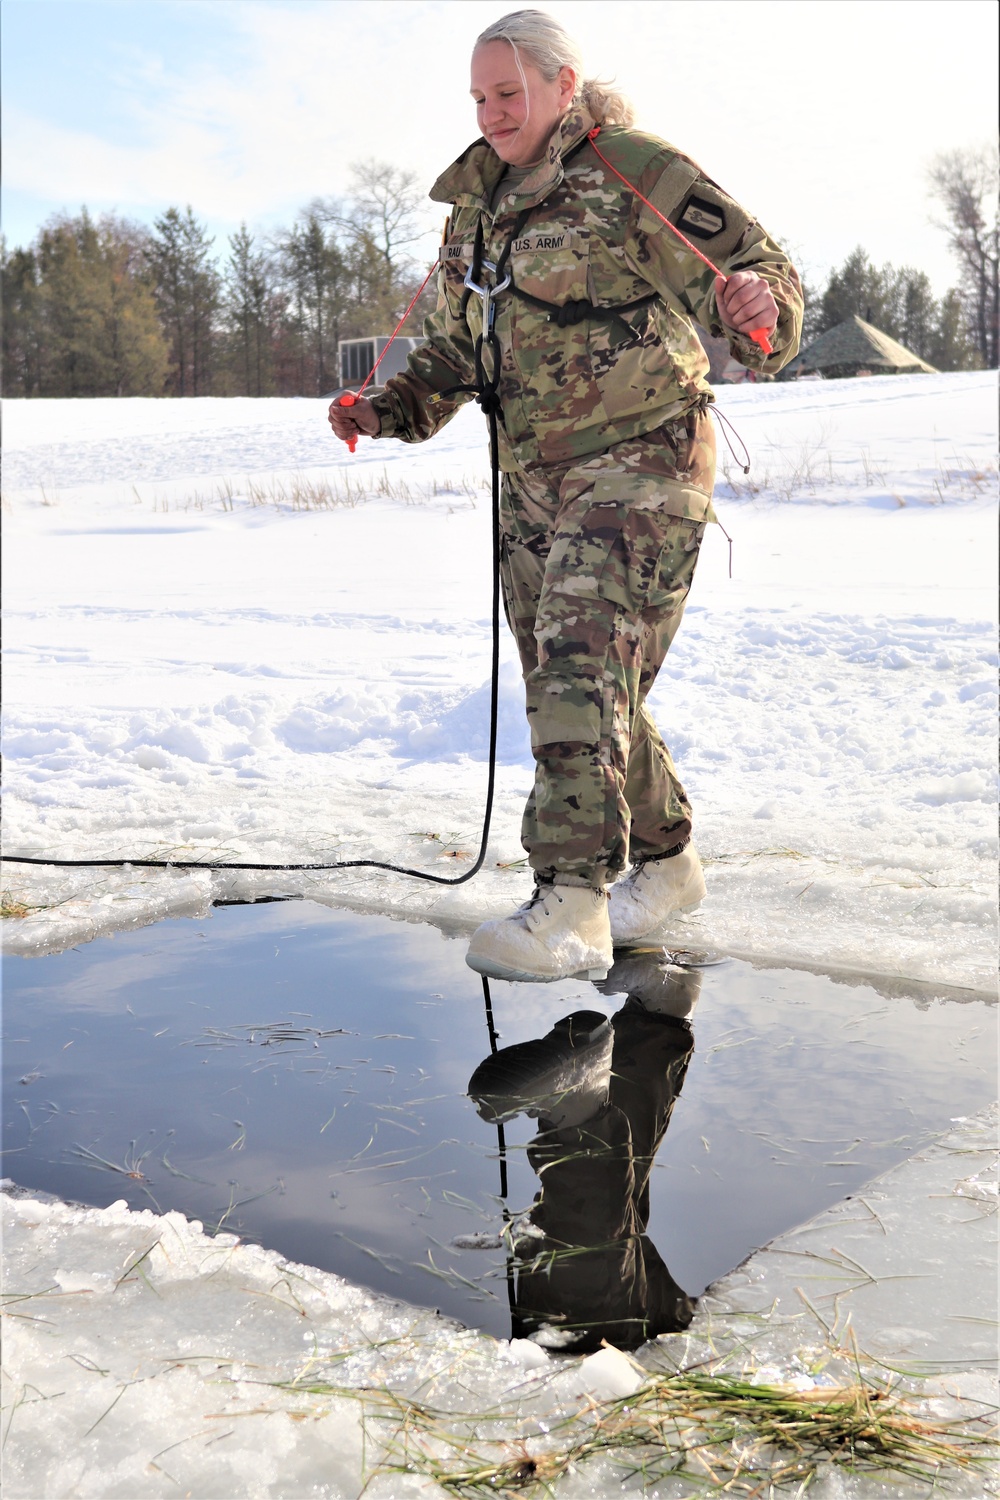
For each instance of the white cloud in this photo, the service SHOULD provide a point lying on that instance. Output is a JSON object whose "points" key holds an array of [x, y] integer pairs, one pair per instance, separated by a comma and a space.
{"points": [[820, 117]]}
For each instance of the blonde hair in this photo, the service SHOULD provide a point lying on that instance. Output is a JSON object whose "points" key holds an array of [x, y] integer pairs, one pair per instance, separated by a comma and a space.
{"points": [[550, 48]]}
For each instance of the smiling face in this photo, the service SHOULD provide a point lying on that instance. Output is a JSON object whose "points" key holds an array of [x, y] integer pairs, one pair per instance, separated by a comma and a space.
{"points": [[517, 114]]}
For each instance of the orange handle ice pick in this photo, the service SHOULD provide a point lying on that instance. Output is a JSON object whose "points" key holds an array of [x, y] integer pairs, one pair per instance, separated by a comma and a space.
{"points": [[350, 400]]}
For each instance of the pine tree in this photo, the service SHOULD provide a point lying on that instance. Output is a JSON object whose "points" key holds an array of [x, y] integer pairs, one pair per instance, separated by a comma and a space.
{"points": [[187, 293], [82, 317], [248, 305], [313, 274], [21, 318], [858, 289], [916, 313], [73, 362], [951, 347]]}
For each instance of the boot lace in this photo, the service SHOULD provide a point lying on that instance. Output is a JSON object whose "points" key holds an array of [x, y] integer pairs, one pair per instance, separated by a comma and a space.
{"points": [[538, 903], [637, 875]]}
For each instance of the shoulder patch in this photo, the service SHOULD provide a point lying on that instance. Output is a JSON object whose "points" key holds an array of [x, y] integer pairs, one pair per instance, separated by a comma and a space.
{"points": [[701, 219], [671, 189]]}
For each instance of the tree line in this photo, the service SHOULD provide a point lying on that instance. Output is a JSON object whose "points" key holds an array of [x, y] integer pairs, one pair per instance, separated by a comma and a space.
{"points": [[109, 307], [899, 301], [959, 331]]}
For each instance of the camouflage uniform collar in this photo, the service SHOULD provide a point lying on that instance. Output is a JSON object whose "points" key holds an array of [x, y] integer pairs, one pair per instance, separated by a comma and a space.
{"points": [[473, 178]]}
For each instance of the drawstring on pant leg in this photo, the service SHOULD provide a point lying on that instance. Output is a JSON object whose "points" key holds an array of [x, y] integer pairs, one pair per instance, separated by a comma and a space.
{"points": [[728, 427], [744, 463]]}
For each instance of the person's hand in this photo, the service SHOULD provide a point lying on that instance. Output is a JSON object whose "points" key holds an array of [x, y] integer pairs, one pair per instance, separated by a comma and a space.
{"points": [[348, 421], [745, 302]]}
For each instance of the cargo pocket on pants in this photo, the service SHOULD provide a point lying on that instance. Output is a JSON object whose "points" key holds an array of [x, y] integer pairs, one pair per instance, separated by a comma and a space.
{"points": [[634, 546]]}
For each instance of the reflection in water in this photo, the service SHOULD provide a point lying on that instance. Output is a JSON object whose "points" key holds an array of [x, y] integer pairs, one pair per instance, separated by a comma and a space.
{"points": [[583, 1268], [343, 1045]]}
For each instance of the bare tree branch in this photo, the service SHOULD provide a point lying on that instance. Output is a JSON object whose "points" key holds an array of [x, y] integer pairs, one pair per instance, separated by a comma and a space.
{"points": [[385, 204], [964, 183]]}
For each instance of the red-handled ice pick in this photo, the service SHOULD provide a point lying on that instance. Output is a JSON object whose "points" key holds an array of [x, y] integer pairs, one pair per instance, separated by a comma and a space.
{"points": [[349, 399], [758, 335]]}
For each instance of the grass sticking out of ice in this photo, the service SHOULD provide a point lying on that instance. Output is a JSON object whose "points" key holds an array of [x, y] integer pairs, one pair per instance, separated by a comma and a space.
{"points": [[11, 907], [719, 1432]]}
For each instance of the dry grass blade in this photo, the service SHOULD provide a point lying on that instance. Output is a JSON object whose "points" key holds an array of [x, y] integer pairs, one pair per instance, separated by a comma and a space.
{"points": [[12, 906], [332, 488], [130, 1166], [720, 1432]]}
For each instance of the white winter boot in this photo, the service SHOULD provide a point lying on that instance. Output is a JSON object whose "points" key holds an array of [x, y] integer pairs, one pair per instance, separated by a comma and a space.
{"points": [[563, 932], [655, 890]]}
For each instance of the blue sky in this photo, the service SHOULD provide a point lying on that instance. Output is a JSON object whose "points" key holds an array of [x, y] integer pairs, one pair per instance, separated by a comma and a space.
{"points": [[819, 115]]}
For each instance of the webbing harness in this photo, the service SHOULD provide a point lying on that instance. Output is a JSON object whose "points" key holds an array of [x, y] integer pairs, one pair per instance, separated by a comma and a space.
{"points": [[564, 315]]}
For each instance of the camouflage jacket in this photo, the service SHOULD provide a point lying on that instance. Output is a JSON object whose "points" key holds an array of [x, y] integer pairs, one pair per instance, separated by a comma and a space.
{"points": [[571, 392]]}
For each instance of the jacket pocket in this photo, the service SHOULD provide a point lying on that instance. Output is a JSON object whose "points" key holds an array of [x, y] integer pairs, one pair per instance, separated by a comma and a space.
{"points": [[551, 354], [551, 263]]}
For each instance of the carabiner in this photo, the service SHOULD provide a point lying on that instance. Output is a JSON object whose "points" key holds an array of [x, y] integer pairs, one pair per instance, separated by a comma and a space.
{"points": [[486, 295], [484, 291]]}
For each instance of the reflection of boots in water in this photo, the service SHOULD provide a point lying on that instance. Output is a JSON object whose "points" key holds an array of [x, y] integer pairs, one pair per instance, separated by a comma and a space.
{"points": [[650, 975], [602, 1094], [653, 1046], [562, 1078]]}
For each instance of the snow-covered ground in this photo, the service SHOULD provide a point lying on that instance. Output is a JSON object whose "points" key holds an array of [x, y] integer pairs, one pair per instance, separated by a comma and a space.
{"points": [[227, 638]]}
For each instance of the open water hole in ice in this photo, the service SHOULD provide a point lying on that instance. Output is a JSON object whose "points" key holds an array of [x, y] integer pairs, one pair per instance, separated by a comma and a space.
{"points": [[298, 1075]]}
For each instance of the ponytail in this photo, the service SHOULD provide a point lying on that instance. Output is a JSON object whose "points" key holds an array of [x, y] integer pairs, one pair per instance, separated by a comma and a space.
{"points": [[550, 48]]}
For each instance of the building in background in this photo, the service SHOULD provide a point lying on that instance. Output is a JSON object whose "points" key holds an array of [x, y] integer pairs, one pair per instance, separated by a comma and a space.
{"points": [[854, 347], [356, 357]]}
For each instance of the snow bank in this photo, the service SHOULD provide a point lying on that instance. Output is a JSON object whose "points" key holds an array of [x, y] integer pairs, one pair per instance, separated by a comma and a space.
{"points": [[225, 638]]}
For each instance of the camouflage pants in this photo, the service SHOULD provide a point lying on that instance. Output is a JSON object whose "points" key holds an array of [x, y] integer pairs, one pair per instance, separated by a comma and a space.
{"points": [[597, 562]]}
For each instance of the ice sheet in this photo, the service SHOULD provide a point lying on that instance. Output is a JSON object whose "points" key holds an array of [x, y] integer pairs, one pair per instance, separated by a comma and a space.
{"points": [[144, 1358], [191, 669]]}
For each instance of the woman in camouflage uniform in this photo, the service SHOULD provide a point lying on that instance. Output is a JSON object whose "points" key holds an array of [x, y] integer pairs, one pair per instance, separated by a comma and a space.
{"points": [[608, 458]]}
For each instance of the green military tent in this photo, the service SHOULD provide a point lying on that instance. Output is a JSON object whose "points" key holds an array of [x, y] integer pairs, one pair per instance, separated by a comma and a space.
{"points": [[854, 347]]}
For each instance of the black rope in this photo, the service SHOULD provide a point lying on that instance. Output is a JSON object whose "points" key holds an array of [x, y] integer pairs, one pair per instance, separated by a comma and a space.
{"points": [[502, 1157], [486, 390], [501, 1140]]}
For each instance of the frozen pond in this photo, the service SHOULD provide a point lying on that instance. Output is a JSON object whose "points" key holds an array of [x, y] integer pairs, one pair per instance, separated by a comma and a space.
{"points": [[299, 1075]]}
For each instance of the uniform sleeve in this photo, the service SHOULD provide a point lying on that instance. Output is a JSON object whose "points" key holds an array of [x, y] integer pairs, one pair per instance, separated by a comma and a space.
{"points": [[404, 408], [730, 237]]}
